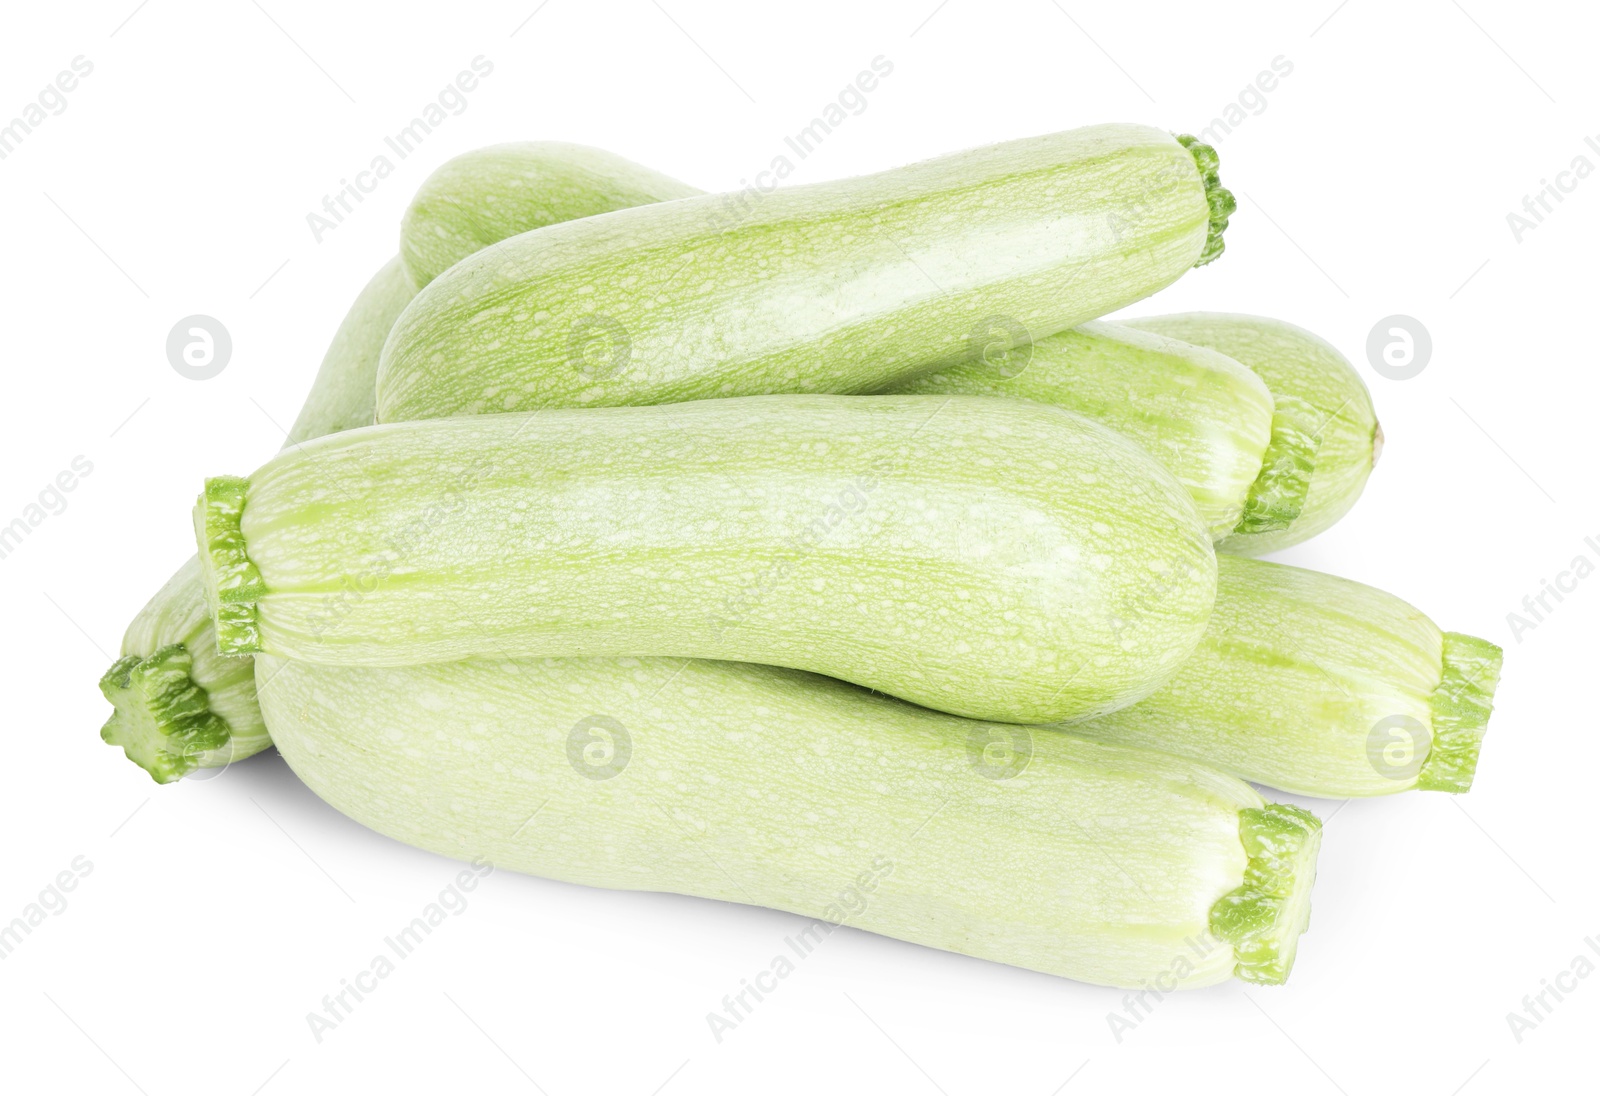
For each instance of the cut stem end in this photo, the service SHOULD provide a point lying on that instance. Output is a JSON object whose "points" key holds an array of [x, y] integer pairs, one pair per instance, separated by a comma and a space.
{"points": [[1279, 492], [1264, 916], [1462, 705], [163, 720], [1219, 199], [233, 583]]}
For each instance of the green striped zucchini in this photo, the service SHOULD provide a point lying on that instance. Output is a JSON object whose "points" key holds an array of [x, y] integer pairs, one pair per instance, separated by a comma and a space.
{"points": [[993, 558], [1321, 686], [765, 786], [839, 287], [1295, 364]]}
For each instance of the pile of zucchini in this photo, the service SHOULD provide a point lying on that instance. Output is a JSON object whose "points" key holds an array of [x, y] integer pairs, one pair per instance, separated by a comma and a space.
{"points": [[624, 542]]}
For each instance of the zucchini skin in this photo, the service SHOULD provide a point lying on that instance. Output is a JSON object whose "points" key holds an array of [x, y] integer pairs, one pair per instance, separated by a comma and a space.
{"points": [[1298, 364], [1204, 416], [490, 194], [840, 287], [1020, 845], [993, 558], [1321, 686]]}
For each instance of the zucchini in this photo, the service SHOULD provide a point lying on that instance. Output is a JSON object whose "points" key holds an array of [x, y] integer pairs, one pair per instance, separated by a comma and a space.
{"points": [[839, 287], [158, 688], [177, 704], [992, 558], [490, 194], [1320, 686], [1300, 366], [770, 787], [343, 395], [1204, 416]]}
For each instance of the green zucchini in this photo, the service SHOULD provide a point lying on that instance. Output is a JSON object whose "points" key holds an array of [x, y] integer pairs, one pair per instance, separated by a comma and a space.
{"points": [[491, 194], [177, 704], [343, 395], [158, 688], [992, 558], [1204, 416], [1296, 365], [765, 786], [1320, 686], [839, 287]]}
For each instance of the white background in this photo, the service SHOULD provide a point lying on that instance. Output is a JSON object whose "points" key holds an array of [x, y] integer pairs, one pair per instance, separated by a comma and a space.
{"points": [[218, 913]]}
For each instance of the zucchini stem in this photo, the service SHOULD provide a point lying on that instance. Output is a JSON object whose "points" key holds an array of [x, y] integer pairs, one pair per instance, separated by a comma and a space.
{"points": [[162, 719], [233, 582], [1461, 707], [1279, 491], [1264, 916], [1219, 199]]}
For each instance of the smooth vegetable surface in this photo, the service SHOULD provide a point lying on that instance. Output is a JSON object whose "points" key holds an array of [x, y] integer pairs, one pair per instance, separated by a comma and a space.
{"points": [[993, 558], [775, 788], [1295, 364], [1321, 686], [490, 194], [842, 286], [1204, 416]]}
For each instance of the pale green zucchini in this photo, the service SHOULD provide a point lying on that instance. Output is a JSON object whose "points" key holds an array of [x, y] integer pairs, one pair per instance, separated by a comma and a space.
{"points": [[178, 705], [491, 194], [343, 395], [1204, 416], [993, 558], [765, 786], [1321, 686], [1295, 364], [159, 686], [840, 287]]}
